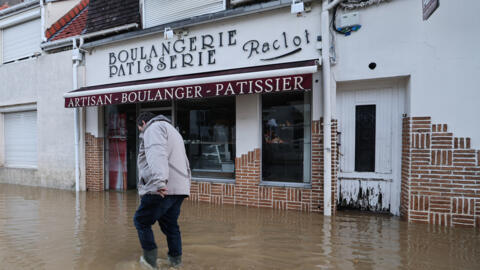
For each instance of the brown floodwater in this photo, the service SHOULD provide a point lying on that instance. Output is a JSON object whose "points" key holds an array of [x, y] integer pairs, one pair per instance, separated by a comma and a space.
{"points": [[55, 229]]}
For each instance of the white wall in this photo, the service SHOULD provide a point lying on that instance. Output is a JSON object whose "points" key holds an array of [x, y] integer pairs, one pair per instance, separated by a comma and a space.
{"points": [[2, 141], [439, 56], [94, 121], [43, 81], [248, 121]]}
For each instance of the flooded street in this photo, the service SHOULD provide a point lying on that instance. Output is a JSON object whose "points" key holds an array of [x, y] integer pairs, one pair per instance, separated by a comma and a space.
{"points": [[53, 229]]}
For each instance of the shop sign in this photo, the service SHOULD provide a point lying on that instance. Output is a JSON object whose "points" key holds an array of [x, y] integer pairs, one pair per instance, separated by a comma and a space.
{"points": [[245, 41], [200, 50], [301, 82]]}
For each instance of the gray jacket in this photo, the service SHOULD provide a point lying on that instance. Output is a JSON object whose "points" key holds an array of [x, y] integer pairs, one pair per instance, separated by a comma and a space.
{"points": [[162, 160]]}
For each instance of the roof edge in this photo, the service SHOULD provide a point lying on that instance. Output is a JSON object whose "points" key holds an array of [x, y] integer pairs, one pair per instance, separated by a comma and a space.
{"points": [[71, 15], [18, 7]]}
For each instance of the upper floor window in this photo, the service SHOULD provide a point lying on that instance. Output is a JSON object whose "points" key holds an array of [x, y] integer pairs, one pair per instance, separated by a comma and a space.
{"points": [[20, 41], [158, 12]]}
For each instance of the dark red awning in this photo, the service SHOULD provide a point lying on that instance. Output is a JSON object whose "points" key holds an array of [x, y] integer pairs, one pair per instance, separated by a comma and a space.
{"points": [[265, 79]]}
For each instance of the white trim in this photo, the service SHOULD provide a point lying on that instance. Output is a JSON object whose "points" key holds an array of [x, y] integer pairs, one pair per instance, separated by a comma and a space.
{"points": [[24, 17], [214, 180], [285, 184], [19, 167], [365, 176], [67, 41], [18, 108], [221, 78], [2, 141], [142, 3]]}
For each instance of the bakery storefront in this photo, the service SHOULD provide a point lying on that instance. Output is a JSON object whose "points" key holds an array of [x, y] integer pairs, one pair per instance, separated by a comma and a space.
{"points": [[245, 94]]}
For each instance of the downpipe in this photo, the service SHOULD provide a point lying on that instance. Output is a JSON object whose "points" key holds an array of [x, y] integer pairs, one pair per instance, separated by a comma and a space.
{"points": [[327, 106], [76, 58]]}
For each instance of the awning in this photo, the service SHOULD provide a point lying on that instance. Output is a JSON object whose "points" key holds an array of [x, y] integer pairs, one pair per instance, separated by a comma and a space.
{"points": [[296, 76]]}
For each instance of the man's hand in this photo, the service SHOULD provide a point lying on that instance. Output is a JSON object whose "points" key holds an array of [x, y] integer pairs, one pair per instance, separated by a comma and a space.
{"points": [[163, 191]]}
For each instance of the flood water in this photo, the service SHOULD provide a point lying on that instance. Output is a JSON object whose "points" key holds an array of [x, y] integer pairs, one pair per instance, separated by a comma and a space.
{"points": [[53, 229]]}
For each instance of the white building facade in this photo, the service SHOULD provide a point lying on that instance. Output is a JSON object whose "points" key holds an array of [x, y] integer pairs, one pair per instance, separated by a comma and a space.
{"points": [[36, 133], [249, 86]]}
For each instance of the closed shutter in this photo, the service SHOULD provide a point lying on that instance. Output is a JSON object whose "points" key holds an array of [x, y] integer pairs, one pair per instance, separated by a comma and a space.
{"points": [[21, 40], [21, 139], [159, 12]]}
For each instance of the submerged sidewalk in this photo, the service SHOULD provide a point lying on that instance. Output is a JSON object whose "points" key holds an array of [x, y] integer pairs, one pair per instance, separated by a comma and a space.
{"points": [[53, 229]]}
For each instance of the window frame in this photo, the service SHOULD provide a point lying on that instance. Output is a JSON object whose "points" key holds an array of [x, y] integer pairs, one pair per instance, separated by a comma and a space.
{"points": [[3, 156], [302, 184], [219, 178]]}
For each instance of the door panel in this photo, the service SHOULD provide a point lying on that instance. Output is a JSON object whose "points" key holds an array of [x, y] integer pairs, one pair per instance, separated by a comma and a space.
{"points": [[375, 189]]}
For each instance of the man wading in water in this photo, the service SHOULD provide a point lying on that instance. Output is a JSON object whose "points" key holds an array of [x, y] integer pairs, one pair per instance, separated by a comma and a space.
{"points": [[164, 181]]}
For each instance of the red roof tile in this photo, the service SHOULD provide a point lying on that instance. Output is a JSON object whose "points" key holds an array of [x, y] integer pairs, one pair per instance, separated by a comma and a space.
{"points": [[71, 24], [74, 28]]}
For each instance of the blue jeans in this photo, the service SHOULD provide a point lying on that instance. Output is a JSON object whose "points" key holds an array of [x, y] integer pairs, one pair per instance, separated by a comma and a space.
{"points": [[164, 210]]}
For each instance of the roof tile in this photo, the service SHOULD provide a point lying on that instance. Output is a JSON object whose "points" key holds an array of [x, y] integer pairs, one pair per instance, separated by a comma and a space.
{"points": [[71, 24], [74, 28], [105, 14]]}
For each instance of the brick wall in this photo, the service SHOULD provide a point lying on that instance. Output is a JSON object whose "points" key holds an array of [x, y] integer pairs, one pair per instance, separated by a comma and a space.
{"points": [[247, 189], [94, 162], [440, 175]]}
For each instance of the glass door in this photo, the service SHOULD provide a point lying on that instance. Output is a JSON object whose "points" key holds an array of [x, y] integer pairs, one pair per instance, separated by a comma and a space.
{"points": [[120, 151]]}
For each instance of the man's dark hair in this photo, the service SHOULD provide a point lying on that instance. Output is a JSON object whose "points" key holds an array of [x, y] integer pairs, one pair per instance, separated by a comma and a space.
{"points": [[144, 116]]}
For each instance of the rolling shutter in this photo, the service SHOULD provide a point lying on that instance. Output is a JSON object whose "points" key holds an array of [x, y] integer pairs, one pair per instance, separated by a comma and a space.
{"points": [[21, 40], [158, 12], [21, 139]]}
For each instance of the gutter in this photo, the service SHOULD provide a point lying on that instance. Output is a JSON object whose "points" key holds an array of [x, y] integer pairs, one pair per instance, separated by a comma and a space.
{"points": [[76, 58], [19, 7], [42, 21], [51, 45], [327, 106]]}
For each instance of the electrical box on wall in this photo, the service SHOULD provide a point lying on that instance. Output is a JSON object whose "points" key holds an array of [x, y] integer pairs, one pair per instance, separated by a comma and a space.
{"points": [[348, 20]]}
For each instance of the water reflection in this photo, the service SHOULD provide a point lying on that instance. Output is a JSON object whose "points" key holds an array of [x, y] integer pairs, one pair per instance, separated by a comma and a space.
{"points": [[53, 229]]}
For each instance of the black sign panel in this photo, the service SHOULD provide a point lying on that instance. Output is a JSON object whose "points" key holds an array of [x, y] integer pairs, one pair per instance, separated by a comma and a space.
{"points": [[429, 6]]}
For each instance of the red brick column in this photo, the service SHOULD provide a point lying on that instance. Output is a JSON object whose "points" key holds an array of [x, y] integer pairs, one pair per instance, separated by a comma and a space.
{"points": [[247, 189], [94, 162], [440, 175], [406, 163]]}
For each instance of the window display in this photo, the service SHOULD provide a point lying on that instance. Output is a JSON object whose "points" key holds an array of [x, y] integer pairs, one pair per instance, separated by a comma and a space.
{"points": [[208, 129], [286, 137]]}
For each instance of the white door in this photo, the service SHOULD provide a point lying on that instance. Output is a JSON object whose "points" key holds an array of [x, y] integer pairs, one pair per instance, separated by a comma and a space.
{"points": [[370, 125]]}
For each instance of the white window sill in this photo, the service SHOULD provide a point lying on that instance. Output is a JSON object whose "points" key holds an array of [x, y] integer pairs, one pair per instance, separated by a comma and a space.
{"points": [[214, 180], [285, 184], [33, 168]]}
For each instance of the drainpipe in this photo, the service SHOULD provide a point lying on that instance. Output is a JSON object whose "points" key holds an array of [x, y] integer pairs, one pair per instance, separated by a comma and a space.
{"points": [[42, 20], [327, 107], [76, 58]]}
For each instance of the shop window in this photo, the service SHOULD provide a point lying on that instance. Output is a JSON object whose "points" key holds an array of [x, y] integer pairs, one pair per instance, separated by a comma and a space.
{"points": [[121, 147], [208, 129], [365, 138], [286, 129]]}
